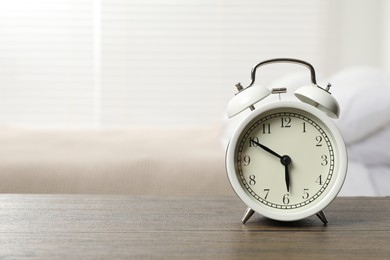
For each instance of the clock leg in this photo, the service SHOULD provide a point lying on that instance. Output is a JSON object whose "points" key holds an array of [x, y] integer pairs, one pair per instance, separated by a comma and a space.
{"points": [[248, 213], [321, 216]]}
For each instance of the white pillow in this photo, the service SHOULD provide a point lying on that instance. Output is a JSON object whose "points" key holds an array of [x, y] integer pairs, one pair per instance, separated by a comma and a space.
{"points": [[364, 98], [372, 151]]}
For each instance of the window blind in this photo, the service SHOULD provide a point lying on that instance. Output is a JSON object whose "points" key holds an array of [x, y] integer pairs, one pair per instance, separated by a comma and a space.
{"points": [[46, 62], [144, 62]]}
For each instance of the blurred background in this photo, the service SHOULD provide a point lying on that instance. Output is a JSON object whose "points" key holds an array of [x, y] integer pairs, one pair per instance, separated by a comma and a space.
{"points": [[85, 63], [88, 88]]}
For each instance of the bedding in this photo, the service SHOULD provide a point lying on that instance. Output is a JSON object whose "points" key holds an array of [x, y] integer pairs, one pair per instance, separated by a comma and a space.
{"points": [[190, 161], [364, 97], [136, 161]]}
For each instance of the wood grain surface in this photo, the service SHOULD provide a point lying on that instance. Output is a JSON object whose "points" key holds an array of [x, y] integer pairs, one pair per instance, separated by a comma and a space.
{"points": [[115, 227]]}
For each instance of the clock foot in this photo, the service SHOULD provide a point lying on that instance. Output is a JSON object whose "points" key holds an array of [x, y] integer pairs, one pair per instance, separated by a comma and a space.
{"points": [[248, 213], [321, 216]]}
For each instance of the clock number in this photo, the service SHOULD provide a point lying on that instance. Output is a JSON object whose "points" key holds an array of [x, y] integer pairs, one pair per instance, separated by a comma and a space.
{"points": [[305, 194], [324, 160], [319, 180], [286, 199], [304, 127], [319, 140], [251, 143], [266, 193], [247, 160], [286, 121], [266, 128], [252, 180]]}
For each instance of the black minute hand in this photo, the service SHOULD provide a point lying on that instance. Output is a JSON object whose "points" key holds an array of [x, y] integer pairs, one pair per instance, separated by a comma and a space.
{"points": [[287, 177], [266, 149]]}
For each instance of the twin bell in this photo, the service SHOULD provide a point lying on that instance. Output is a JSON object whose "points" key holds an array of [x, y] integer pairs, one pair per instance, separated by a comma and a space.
{"points": [[311, 94]]}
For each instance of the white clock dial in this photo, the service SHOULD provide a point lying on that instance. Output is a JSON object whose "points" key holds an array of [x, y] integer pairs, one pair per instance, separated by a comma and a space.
{"points": [[286, 161], [298, 137]]}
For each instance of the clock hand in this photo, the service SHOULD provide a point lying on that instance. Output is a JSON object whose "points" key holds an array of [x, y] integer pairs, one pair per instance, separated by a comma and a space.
{"points": [[286, 160], [266, 149], [287, 177]]}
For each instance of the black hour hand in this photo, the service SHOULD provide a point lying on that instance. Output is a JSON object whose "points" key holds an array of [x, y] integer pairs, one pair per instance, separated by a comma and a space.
{"points": [[266, 149], [285, 160]]}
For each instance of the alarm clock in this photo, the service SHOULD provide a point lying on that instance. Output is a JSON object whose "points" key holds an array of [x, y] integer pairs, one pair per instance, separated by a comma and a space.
{"points": [[286, 160]]}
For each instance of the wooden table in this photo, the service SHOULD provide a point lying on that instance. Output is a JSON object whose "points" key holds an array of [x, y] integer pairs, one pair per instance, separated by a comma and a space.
{"points": [[107, 227]]}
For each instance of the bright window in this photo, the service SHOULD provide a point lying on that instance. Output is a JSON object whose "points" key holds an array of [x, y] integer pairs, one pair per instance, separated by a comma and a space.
{"points": [[88, 63]]}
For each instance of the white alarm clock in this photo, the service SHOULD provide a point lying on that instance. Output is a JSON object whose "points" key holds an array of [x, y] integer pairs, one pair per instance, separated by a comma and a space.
{"points": [[286, 160]]}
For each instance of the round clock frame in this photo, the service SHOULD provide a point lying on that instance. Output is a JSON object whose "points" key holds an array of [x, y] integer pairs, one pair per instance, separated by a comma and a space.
{"points": [[286, 150], [313, 204]]}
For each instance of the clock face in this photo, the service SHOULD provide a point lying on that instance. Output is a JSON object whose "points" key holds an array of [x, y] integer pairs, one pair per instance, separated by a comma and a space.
{"points": [[287, 162]]}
